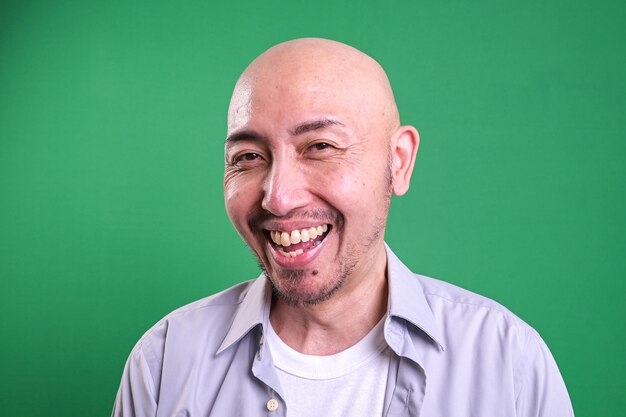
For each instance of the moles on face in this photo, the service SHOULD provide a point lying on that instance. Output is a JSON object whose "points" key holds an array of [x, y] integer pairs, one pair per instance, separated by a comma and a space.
{"points": [[309, 171]]}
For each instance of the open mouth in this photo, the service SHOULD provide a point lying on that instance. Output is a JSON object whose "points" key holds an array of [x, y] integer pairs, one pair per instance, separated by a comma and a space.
{"points": [[294, 243]]}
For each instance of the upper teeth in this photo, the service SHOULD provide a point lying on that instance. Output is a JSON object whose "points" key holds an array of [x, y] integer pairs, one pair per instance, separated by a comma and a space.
{"points": [[296, 236]]}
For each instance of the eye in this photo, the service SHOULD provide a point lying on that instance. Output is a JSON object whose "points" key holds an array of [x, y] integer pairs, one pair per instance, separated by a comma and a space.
{"points": [[247, 160], [250, 156], [320, 146]]}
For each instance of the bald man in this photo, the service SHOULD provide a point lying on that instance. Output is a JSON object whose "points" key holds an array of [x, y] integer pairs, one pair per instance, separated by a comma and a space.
{"points": [[335, 325]]}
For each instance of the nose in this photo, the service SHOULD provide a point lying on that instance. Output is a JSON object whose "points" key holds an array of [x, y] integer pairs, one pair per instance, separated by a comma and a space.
{"points": [[284, 188]]}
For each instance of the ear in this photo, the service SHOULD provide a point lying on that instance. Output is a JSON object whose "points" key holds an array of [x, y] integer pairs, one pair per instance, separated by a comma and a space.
{"points": [[404, 149]]}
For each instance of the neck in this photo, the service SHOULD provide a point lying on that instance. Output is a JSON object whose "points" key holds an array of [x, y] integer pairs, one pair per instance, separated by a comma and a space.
{"points": [[339, 322]]}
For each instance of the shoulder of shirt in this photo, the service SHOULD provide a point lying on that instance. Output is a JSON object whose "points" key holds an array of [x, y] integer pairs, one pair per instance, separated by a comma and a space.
{"points": [[456, 307], [218, 308], [451, 294]]}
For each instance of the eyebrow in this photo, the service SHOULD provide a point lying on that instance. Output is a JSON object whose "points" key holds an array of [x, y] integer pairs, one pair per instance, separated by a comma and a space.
{"points": [[244, 135], [314, 125], [300, 129]]}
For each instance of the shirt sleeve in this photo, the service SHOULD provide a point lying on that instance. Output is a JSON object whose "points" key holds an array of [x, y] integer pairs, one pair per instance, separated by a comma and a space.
{"points": [[136, 394], [542, 392]]}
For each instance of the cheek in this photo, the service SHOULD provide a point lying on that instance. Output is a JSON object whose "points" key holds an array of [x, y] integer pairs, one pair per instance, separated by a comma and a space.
{"points": [[232, 196], [345, 186], [359, 192], [239, 199]]}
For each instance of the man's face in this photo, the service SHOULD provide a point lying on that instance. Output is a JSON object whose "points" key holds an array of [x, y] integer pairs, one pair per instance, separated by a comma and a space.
{"points": [[307, 184]]}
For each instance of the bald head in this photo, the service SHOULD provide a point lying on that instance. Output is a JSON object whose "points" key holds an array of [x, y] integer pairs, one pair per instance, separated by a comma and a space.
{"points": [[321, 74]]}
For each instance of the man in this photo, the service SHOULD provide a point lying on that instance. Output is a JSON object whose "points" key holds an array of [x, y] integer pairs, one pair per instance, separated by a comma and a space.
{"points": [[336, 325]]}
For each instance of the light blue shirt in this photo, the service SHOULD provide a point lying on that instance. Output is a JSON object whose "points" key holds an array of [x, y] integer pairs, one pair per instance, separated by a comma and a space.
{"points": [[455, 354]]}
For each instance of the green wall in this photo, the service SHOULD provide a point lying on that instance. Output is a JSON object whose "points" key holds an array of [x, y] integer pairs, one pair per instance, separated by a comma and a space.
{"points": [[112, 121]]}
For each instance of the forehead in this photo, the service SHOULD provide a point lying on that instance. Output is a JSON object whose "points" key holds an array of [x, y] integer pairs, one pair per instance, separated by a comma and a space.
{"points": [[282, 102]]}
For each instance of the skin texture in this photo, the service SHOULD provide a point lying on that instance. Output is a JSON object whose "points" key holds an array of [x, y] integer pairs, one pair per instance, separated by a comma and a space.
{"points": [[314, 138]]}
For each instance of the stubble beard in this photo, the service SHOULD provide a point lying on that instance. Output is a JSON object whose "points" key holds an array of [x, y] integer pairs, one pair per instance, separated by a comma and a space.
{"points": [[287, 290]]}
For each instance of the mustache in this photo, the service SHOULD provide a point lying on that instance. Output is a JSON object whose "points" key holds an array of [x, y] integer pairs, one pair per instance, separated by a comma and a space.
{"points": [[320, 215]]}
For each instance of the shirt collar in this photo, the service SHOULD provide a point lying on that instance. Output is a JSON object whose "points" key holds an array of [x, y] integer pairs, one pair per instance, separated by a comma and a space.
{"points": [[406, 301], [253, 310]]}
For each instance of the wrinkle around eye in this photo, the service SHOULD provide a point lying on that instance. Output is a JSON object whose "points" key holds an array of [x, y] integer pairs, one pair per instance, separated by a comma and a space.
{"points": [[334, 154], [325, 150], [245, 161]]}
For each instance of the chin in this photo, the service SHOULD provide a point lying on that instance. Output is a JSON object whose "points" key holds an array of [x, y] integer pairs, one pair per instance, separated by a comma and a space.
{"points": [[302, 287]]}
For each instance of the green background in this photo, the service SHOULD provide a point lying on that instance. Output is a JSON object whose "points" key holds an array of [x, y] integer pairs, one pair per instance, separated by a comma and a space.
{"points": [[112, 121]]}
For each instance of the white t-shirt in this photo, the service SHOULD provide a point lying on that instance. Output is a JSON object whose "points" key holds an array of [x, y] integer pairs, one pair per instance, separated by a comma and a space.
{"points": [[348, 383]]}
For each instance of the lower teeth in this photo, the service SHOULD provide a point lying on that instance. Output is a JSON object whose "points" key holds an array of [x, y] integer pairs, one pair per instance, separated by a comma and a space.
{"points": [[298, 252], [292, 254]]}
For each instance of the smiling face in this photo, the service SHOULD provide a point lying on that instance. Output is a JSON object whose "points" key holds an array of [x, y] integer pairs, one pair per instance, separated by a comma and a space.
{"points": [[310, 161]]}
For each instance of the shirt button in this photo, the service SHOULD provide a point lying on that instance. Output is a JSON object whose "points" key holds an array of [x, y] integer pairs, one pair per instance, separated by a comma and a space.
{"points": [[272, 405]]}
